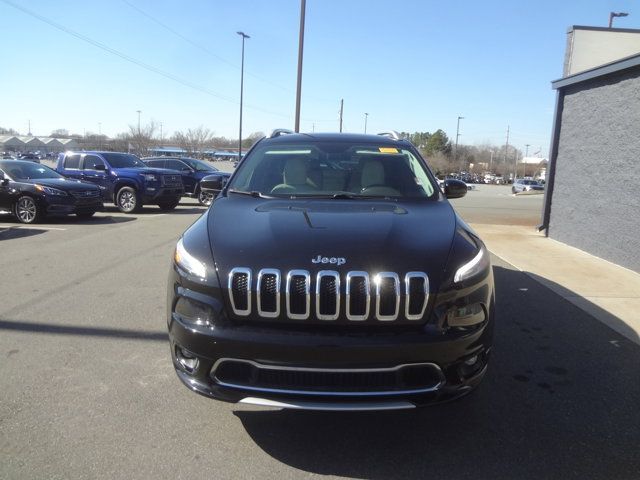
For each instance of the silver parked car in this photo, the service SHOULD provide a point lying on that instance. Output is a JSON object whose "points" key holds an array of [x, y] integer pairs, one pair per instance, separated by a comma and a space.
{"points": [[525, 185]]}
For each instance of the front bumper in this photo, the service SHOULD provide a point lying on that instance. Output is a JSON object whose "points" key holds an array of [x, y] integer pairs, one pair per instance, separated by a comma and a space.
{"points": [[314, 350], [153, 194], [59, 205]]}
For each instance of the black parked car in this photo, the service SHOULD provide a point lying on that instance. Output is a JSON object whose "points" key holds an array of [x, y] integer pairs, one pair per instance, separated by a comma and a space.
{"points": [[31, 191], [192, 172], [343, 280], [31, 157]]}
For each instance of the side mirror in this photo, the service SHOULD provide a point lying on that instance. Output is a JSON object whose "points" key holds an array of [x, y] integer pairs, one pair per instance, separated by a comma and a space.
{"points": [[212, 183], [100, 167], [4, 181], [454, 188]]}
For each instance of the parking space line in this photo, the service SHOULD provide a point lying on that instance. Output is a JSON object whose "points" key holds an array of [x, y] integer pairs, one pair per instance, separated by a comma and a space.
{"points": [[31, 227]]}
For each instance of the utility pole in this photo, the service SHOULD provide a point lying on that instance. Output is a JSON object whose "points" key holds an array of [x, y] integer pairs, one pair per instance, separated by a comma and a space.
{"points": [[303, 7], [491, 163], [139, 111], [160, 133], [244, 36], [341, 110], [524, 163], [455, 153], [29, 128], [366, 116], [506, 149]]}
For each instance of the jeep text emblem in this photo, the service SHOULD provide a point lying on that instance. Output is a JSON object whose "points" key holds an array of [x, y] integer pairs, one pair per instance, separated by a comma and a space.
{"points": [[333, 260]]}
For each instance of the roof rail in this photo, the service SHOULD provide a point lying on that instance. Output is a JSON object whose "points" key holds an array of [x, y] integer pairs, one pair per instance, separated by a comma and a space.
{"points": [[280, 131], [391, 134]]}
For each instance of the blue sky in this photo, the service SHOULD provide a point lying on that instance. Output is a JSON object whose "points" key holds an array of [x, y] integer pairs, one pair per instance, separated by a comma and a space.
{"points": [[412, 65]]}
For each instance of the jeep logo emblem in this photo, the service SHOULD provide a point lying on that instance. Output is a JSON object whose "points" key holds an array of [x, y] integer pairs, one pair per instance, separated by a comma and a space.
{"points": [[333, 260]]}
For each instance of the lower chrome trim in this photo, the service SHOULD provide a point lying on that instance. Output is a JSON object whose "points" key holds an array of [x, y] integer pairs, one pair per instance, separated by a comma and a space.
{"points": [[332, 406], [324, 393]]}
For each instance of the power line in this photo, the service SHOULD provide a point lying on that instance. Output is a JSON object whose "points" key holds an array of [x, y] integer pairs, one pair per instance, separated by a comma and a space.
{"points": [[135, 61], [201, 47]]}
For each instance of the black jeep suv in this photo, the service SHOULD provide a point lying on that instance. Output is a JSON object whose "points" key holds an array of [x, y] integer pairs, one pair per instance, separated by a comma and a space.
{"points": [[331, 273]]}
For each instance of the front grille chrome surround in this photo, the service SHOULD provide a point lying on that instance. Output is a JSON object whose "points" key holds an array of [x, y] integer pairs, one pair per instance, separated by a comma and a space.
{"points": [[242, 312], [392, 300], [307, 294], [319, 298], [261, 310], [378, 280], [350, 277], [407, 294]]}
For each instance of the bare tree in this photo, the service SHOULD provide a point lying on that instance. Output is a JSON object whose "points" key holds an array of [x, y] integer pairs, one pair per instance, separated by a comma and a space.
{"points": [[141, 140], [194, 140]]}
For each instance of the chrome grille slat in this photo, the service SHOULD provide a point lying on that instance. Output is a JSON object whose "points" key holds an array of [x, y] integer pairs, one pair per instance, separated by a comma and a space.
{"points": [[327, 290], [328, 274], [244, 283], [380, 281], [350, 278], [408, 278], [272, 281], [292, 291]]}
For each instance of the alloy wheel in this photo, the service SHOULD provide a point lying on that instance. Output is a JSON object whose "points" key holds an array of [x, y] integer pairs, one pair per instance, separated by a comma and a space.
{"points": [[26, 210]]}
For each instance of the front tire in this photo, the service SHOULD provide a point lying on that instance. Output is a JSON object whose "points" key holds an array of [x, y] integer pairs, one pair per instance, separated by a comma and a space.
{"points": [[27, 211], [128, 200], [205, 199], [169, 204]]}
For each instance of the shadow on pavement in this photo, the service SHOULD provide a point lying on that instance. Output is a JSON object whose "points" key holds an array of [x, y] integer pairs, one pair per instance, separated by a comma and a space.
{"points": [[98, 219], [154, 210], [560, 400], [13, 233], [50, 328]]}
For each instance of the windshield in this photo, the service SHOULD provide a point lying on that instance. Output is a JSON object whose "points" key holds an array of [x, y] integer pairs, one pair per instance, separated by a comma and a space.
{"points": [[123, 160], [28, 171], [199, 166], [334, 169]]}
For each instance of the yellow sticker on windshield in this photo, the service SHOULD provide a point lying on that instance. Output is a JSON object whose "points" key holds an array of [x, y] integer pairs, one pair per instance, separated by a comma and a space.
{"points": [[388, 150]]}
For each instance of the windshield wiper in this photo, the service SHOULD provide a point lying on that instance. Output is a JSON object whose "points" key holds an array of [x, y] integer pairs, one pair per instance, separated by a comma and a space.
{"points": [[252, 193]]}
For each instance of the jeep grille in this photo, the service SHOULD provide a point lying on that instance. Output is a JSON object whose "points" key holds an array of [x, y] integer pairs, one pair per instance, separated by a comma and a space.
{"points": [[327, 295]]}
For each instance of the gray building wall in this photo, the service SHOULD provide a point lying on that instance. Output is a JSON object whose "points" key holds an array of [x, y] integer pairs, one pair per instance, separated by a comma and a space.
{"points": [[596, 197]]}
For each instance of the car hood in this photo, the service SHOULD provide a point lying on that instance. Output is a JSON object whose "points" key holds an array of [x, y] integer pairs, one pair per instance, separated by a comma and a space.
{"points": [[369, 235], [68, 184]]}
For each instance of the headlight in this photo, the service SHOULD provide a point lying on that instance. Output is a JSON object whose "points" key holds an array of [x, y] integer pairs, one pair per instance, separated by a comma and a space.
{"points": [[188, 262], [477, 264], [50, 191], [150, 177]]}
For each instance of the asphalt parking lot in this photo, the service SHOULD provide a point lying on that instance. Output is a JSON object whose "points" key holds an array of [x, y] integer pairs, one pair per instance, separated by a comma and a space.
{"points": [[88, 389]]}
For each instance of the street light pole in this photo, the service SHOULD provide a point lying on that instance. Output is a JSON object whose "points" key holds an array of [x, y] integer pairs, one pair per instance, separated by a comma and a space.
{"points": [[612, 15], [160, 133], [455, 154], [243, 35], [524, 163], [139, 111], [303, 8], [366, 116]]}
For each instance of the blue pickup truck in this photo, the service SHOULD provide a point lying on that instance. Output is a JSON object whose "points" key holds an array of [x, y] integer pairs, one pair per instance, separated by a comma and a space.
{"points": [[124, 179]]}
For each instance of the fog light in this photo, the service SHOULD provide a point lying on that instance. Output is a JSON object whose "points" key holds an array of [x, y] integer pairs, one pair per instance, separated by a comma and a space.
{"points": [[471, 361], [471, 366], [466, 315], [194, 312], [187, 360]]}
